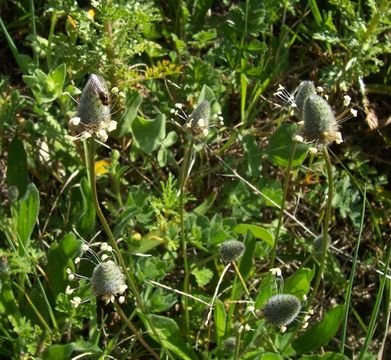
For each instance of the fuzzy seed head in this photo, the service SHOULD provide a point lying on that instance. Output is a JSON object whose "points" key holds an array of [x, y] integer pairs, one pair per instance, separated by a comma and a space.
{"points": [[319, 121], [94, 102], [108, 280], [318, 244], [231, 250], [199, 118], [282, 309], [229, 344], [305, 89]]}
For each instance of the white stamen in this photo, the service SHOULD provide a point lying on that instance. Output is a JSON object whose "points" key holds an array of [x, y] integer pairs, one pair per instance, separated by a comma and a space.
{"points": [[75, 302], [69, 290], [346, 100], [353, 112]]}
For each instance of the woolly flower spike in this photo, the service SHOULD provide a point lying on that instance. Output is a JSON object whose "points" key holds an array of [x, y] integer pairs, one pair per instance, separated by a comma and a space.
{"points": [[231, 250], [199, 118], [282, 309], [305, 89], [108, 281], [320, 124], [93, 112]]}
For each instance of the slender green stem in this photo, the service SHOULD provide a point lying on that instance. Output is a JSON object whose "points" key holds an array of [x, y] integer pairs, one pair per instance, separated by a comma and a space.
{"points": [[183, 179], [237, 345], [285, 194], [135, 332], [33, 28], [375, 311], [91, 170], [326, 224], [351, 279]]}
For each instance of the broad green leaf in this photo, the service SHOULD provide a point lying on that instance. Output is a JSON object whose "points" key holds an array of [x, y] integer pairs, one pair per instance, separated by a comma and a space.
{"points": [[280, 147], [17, 173], [246, 262], [170, 335], [56, 79], [59, 258], [220, 317], [161, 301], [326, 356], [148, 134], [27, 214], [266, 290], [321, 333], [203, 276], [258, 231], [206, 94], [64, 352], [299, 283], [132, 103], [270, 356]]}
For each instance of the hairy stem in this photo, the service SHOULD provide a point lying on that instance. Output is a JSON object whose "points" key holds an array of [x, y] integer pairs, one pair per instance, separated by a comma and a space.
{"points": [[129, 277], [183, 178], [136, 332], [285, 194]]}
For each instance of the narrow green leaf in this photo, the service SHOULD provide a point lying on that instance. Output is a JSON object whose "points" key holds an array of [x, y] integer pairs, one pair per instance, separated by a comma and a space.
{"points": [[321, 333], [87, 217], [17, 173], [27, 214], [220, 317]]}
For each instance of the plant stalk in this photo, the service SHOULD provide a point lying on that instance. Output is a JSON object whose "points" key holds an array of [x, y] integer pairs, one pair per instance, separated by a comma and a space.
{"points": [[92, 177]]}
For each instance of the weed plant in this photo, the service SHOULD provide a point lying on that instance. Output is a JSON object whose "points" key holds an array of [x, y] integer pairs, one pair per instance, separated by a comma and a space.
{"points": [[163, 196]]}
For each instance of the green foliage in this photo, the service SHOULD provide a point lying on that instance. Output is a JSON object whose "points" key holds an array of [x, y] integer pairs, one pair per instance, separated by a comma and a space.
{"points": [[172, 190]]}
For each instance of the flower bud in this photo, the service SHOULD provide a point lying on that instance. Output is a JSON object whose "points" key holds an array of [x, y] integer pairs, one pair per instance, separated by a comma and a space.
{"points": [[282, 309], [199, 118], [305, 89], [318, 244], [231, 250], [108, 280], [319, 121], [94, 102]]}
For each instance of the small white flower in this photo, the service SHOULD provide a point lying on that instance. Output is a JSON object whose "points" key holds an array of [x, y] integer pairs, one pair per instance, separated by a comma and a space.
{"points": [[353, 112], [85, 135], [75, 302], [85, 247], [114, 90], [305, 325], [247, 327], [104, 257], [122, 95], [346, 100], [172, 111], [276, 271], [74, 121], [319, 89], [102, 135], [313, 150], [251, 308], [68, 271], [306, 318], [122, 288], [69, 290], [106, 247], [283, 328], [298, 138], [71, 277], [111, 126], [240, 329], [121, 299], [304, 297], [178, 105], [77, 260], [326, 97]]}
